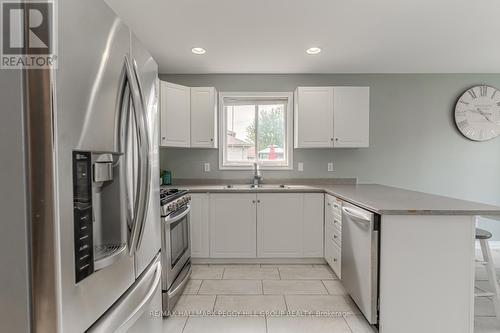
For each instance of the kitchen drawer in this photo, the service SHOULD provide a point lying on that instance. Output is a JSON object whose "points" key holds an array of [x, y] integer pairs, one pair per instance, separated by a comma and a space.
{"points": [[332, 232], [337, 207], [336, 257], [329, 251], [333, 220], [333, 206], [337, 222], [333, 254], [337, 237]]}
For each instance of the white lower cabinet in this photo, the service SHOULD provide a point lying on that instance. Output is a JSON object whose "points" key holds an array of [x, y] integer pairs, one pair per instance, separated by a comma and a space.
{"points": [[233, 225], [264, 225], [290, 225], [312, 226], [279, 225], [199, 225]]}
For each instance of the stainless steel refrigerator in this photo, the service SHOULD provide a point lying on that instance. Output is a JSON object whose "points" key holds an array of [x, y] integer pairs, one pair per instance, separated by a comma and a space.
{"points": [[81, 241]]}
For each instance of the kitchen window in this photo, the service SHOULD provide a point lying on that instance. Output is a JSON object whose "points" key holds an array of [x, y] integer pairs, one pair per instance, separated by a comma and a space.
{"points": [[255, 127]]}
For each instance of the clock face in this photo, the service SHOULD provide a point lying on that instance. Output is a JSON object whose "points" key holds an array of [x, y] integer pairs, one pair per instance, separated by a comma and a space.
{"points": [[477, 113]]}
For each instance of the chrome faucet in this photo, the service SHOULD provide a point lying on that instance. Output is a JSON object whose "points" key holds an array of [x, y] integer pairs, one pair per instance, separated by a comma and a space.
{"points": [[257, 176]]}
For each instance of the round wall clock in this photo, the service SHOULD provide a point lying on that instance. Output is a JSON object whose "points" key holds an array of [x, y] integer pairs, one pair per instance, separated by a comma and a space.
{"points": [[477, 113]]}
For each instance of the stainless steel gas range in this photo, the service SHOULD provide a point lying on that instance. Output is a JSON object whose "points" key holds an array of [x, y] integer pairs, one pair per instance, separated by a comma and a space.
{"points": [[175, 245]]}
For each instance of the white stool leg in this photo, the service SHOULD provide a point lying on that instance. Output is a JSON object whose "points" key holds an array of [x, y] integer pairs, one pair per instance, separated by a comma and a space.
{"points": [[492, 277]]}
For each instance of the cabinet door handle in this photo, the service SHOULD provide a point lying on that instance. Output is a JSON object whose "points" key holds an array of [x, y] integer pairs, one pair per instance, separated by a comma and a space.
{"points": [[258, 201], [253, 201], [334, 259], [212, 140], [331, 139]]}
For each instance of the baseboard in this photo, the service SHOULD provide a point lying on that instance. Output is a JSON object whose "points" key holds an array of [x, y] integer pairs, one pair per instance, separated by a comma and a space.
{"points": [[276, 261]]}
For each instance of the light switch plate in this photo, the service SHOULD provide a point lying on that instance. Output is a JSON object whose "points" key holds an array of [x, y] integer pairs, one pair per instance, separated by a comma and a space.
{"points": [[330, 166], [207, 167], [300, 166]]}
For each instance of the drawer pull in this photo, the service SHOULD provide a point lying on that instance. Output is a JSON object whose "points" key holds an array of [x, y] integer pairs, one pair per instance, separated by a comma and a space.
{"points": [[334, 259]]}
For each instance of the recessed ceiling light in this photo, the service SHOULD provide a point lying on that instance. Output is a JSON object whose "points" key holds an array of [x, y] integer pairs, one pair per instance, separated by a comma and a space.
{"points": [[198, 50], [313, 50]]}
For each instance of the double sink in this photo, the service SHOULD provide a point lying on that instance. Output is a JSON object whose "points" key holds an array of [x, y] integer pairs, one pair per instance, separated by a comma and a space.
{"points": [[256, 187], [271, 188]]}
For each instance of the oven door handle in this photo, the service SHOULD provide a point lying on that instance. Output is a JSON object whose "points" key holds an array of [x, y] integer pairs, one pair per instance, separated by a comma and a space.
{"points": [[184, 281], [170, 220]]}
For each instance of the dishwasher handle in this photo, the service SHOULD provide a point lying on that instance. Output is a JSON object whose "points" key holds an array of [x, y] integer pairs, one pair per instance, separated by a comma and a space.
{"points": [[356, 214]]}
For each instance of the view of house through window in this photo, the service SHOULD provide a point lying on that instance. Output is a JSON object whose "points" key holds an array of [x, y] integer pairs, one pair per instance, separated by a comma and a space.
{"points": [[256, 131]]}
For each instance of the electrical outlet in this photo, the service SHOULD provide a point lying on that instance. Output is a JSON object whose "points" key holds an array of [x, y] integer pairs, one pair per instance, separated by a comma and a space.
{"points": [[207, 167], [330, 166], [300, 166]]}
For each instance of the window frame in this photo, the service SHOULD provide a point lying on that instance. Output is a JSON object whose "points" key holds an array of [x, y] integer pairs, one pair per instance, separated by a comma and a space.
{"points": [[288, 164]]}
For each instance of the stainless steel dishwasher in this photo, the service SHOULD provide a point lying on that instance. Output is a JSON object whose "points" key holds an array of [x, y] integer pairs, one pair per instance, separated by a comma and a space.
{"points": [[360, 237]]}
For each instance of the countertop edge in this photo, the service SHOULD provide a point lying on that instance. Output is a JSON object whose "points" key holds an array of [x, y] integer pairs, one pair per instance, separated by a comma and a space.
{"points": [[325, 189]]}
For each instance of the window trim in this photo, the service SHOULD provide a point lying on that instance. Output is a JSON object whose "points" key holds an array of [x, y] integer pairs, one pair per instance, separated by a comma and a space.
{"points": [[288, 129]]}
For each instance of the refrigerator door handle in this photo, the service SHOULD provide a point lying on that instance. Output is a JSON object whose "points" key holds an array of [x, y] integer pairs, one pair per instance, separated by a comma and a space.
{"points": [[129, 308], [143, 156], [145, 153], [124, 126]]}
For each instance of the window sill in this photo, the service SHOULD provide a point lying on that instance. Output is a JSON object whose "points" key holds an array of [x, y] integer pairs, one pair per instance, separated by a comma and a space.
{"points": [[251, 168]]}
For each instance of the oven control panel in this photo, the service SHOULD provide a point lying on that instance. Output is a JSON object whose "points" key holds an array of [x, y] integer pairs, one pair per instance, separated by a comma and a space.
{"points": [[82, 215], [174, 205]]}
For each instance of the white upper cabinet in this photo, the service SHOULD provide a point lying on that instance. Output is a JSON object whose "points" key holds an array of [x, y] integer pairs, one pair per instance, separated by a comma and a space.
{"points": [[351, 117], [188, 116], [203, 117], [332, 117], [314, 117], [175, 115]]}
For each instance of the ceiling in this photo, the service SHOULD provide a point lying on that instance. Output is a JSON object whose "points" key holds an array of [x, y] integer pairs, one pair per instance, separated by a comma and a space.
{"points": [[356, 36]]}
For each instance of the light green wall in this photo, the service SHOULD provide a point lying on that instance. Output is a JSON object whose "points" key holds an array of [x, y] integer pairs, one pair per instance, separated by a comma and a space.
{"points": [[414, 143]]}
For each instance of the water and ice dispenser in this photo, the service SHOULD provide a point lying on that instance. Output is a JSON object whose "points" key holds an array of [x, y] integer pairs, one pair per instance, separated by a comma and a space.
{"points": [[100, 230]]}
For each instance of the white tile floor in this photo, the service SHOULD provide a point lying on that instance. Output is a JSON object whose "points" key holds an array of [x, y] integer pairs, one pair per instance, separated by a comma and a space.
{"points": [[263, 298]]}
